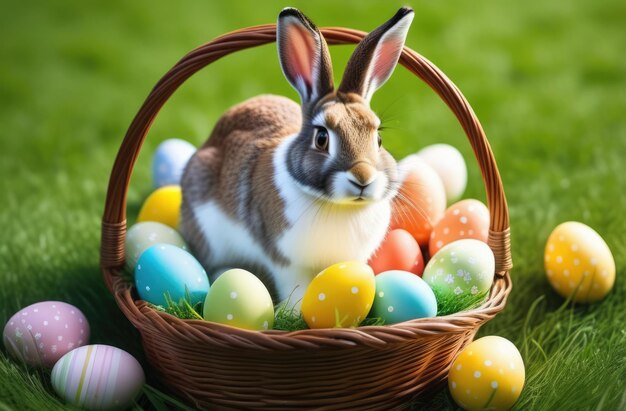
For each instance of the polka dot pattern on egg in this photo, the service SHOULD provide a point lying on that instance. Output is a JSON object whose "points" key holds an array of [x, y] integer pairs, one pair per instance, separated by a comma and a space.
{"points": [[465, 219], [239, 299], [40, 334], [578, 263], [339, 296], [488, 374]]}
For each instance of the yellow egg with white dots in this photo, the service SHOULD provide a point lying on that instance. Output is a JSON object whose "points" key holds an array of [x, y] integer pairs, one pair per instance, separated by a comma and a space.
{"points": [[339, 296], [488, 374], [578, 263]]}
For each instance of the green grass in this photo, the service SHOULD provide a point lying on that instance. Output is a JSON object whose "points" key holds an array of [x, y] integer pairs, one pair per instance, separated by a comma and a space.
{"points": [[547, 80]]}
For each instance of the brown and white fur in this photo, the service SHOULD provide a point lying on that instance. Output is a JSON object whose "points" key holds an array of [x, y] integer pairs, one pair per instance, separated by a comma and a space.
{"points": [[285, 190]]}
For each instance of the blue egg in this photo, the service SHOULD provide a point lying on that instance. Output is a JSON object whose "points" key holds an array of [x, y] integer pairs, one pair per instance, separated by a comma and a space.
{"points": [[169, 161], [165, 268], [402, 296]]}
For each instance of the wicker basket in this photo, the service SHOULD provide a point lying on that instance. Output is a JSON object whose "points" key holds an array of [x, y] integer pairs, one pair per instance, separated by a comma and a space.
{"points": [[378, 367]]}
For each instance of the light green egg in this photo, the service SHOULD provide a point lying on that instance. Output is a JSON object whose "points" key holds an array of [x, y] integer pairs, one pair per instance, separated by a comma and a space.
{"points": [[143, 235], [461, 269], [239, 299]]}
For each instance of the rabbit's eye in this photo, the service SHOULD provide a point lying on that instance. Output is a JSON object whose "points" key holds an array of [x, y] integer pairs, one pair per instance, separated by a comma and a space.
{"points": [[380, 140], [320, 139]]}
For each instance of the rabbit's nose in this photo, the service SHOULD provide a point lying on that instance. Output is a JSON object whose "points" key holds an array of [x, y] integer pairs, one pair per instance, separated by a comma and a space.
{"points": [[362, 174]]}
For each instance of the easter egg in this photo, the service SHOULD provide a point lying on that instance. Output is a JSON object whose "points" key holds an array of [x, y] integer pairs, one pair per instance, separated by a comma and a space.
{"points": [[166, 269], [461, 269], [402, 296], [488, 374], [398, 251], [162, 206], [98, 377], [578, 263], [339, 296], [449, 164], [41, 333], [169, 161], [143, 235], [239, 299], [465, 219], [421, 199]]}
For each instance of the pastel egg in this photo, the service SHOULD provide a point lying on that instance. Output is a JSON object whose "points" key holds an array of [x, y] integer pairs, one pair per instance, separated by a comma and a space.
{"points": [[465, 219], [143, 235], [239, 299], [421, 200], [339, 296], [41, 333], [169, 161], [402, 296], [579, 263], [98, 377], [398, 251], [449, 164], [166, 269], [488, 374], [460, 270], [162, 206]]}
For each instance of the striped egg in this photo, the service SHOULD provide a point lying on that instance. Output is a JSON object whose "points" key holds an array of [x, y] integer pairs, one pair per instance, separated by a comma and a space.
{"points": [[98, 377]]}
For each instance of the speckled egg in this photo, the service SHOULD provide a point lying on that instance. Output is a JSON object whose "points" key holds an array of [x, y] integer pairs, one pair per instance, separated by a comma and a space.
{"points": [[169, 161], [449, 164], [98, 377], [578, 263], [461, 268], [165, 268], [339, 296], [162, 206], [402, 296], [398, 251], [143, 235], [239, 299], [421, 200], [41, 333], [488, 374], [465, 219]]}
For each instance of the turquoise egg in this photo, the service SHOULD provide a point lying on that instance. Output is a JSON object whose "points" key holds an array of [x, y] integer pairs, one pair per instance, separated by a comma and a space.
{"points": [[164, 268], [402, 296], [145, 234], [169, 161]]}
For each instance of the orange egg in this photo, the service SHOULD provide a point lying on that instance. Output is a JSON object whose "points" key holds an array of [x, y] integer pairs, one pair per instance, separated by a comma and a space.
{"points": [[421, 200], [398, 251], [465, 219]]}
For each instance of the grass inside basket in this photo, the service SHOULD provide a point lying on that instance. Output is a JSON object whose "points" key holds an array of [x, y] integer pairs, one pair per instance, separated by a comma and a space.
{"points": [[288, 318]]}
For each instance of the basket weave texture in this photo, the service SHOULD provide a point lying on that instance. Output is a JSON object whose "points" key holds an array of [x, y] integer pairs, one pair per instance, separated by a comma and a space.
{"points": [[214, 366]]}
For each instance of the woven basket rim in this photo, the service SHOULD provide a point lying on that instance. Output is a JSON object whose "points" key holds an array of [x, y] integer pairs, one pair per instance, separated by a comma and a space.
{"points": [[114, 220], [367, 335]]}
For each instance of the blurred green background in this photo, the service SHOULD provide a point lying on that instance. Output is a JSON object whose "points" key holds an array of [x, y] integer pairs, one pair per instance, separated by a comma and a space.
{"points": [[547, 80]]}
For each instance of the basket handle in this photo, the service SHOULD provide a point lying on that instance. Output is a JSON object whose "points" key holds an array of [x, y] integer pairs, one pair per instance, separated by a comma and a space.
{"points": [[114, 219]]}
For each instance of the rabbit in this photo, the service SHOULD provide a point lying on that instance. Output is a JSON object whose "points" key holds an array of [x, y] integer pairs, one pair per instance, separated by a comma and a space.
{"points": [[286, 190]]}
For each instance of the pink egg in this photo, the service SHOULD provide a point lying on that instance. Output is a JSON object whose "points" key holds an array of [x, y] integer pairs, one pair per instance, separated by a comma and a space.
{"points": [[41, 333], [465, 219]]}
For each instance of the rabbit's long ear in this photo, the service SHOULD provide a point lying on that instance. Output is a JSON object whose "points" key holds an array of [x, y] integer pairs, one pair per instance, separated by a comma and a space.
{"points": [[303, 55], [376, 56]]}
